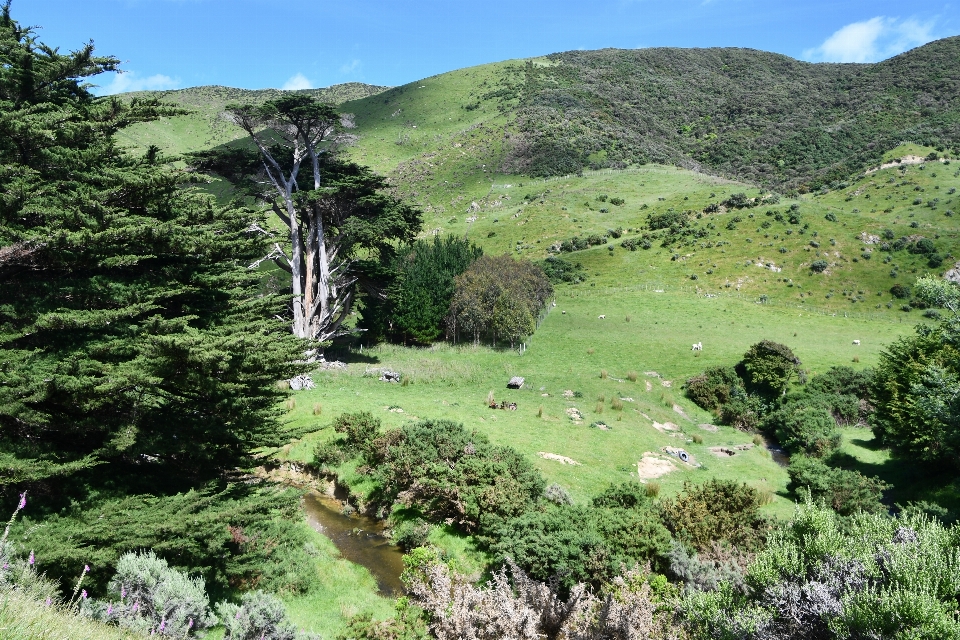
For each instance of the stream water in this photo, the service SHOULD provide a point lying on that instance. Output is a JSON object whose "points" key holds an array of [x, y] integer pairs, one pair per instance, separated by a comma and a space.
{"points": [[359, 539]]}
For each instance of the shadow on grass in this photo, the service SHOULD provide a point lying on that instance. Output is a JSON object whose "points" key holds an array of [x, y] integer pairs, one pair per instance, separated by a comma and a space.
{"points": [[911, 480]]}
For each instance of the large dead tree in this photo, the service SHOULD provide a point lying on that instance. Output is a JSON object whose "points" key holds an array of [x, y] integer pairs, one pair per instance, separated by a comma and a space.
{"points": [[297, 126]]}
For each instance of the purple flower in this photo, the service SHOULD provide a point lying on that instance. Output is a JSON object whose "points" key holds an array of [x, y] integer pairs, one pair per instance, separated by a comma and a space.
{"points": [[136, 605], [83, 594], [86, 568], [49, 602], [237, 617], [190, 624], [123, 593], [31, 560], [23, 501], [109, 609], [163, 625], [6, 566]]}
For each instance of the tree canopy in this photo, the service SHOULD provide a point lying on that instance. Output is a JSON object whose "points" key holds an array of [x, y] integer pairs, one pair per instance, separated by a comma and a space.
{"points": [[131, 332]]}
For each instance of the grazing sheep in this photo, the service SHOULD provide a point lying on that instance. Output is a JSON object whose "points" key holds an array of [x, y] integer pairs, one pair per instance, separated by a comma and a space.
{"points": [[698, 346], [602, 317], [856, 343]]}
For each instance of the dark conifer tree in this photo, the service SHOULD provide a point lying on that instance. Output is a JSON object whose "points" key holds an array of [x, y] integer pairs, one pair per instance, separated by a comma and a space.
{"points": [[133, 338]]}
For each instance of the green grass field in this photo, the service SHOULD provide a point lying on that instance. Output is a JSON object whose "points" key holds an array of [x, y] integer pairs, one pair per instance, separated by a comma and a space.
{"points": [[441, 142]]}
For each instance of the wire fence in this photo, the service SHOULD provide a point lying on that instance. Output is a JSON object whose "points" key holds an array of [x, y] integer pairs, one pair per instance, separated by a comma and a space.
{"points": [[658, 287]]}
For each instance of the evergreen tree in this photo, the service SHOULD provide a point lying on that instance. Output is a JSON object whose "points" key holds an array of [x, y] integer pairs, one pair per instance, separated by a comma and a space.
{"points": [[132, 334], [419, 297]]}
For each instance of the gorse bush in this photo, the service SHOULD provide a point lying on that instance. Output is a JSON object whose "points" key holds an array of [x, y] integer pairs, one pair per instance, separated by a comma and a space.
{"points": [[716, 511], [451, 474], [714, 387]]}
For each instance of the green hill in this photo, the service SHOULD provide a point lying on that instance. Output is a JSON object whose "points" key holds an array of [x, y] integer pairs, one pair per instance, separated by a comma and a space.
{"points": [[204, 127]]}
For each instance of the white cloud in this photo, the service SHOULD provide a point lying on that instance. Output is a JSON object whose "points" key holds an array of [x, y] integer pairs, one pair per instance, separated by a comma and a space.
{"points": [[130, 81], [872, 40], [351, 67], [296, 83]]}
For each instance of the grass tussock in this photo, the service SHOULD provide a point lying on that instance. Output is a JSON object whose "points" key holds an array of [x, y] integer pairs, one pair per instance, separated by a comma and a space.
{"points": [[697, 438], [653, 489], [490, 398], [317, 408], [291, 404], [632, 376], [856, 358], [765, 496], [599, 408], [616, 404], [627, 319], [540, 411], [590, 352], [603, 374], [758, 440]]}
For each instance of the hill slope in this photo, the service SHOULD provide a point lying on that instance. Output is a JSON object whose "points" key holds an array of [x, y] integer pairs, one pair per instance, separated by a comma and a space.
{"points": [[204, 128]]}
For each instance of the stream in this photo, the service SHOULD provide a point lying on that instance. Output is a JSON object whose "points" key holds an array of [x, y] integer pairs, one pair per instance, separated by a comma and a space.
{"points": [[359, 539]]}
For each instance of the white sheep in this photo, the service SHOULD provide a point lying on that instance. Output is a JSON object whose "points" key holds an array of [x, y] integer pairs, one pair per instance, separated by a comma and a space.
{"points": [[602, 317], [697, 346], [856, 343]]}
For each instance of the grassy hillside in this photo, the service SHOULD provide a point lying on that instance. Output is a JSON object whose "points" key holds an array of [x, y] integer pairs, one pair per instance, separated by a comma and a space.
{"points": [[204, 127]]}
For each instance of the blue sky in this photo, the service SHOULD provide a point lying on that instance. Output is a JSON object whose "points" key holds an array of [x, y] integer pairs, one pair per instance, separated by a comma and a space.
{"points": [[256, 44]]}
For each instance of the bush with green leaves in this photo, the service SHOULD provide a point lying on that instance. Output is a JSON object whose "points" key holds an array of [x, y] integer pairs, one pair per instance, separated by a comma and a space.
{"points": [[803, 427], [844, 490], [585, 543], [241, 534], [149, 596], [868, 576], [819, 266], [559, 270], [714, 387], [716, 511], [451, 475], [917, 386], [769, 367]]}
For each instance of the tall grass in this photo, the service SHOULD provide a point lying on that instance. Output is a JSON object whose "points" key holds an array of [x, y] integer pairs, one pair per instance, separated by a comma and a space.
{"points": [[24, 619], [653, 488], [632, 376], [616, 404]]}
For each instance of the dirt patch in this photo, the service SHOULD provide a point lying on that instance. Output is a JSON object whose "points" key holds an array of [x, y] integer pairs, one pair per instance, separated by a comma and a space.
{"points": [[649, 386], [903, 160], [679, 410], [575, 415], [869, 238], [730, 451], [706, 426], [666, 426], [667, 383], [650, 467], [560, 459], [568, 393]]}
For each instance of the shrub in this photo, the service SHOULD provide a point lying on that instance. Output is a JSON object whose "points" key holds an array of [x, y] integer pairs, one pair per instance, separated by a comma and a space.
{"points": [[818, 266], [626, 495], [452, 475], [714, 387], [557, 495], [900, 291], [155, 598], [830, 217], [803, 428], [845, 491], [617, 202], [559, 270], [717, 510], [737, 201], [360, 429], [667, 219], [770, 366], [412, 533], [581, 544], [260, 616]]}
